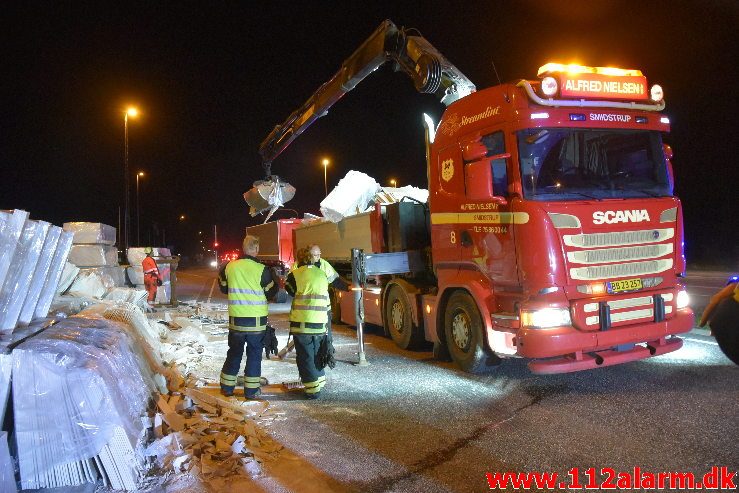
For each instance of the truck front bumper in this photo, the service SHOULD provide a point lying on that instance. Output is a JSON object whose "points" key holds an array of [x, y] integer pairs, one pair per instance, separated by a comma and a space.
{"points": [[574, 350]]}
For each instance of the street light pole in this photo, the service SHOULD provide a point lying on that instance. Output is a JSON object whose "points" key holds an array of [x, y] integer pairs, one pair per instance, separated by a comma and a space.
{"points": [[126, 217], [138, 210], [325, 181]]}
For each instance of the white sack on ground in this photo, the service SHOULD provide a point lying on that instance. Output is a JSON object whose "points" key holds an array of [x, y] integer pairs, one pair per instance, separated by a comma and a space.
{"points": [[93, 255], [39, 275], [11, 227], [53, 280], [20, 274], [354, 193], [91, 233]]}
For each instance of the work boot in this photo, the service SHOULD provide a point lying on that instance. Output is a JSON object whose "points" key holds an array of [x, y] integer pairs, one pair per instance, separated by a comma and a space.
{"points": [[313, 397], [227, 393], [255, 395]]}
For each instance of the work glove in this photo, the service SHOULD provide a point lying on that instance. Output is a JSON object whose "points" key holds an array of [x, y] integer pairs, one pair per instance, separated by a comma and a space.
{"points": [[325, 355], [159, 282], [270, 342]]}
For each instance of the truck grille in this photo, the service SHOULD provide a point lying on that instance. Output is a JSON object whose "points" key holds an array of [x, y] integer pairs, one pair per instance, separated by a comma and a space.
{"points": [[619, 238], [619, 254]]}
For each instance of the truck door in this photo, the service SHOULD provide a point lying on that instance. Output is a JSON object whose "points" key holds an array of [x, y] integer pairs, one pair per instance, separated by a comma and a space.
{"points": [[445, 201], [487, 238]]}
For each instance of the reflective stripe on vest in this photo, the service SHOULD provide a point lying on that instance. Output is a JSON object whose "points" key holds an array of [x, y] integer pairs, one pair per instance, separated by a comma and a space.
{"points": [[311, 298], [245, 292]]}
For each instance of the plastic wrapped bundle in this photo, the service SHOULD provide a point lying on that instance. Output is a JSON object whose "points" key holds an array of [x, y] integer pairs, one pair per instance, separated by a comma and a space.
{"points": [[39, 275], [351, 196], [11, 227], [20, 274], [91, 233], [6, 364], [7, 473], [93, 255], [79, 389], [58, 263]]}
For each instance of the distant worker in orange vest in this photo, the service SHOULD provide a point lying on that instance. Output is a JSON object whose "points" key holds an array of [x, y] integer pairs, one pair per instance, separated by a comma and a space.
{"points": [[152, 279]]}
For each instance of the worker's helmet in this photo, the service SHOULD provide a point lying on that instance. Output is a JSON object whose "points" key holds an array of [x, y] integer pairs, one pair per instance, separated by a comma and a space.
{"points": [[148, 250]]}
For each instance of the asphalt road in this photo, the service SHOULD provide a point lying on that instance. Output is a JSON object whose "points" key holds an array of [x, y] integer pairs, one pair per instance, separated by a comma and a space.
{"points": [[408, 423]]}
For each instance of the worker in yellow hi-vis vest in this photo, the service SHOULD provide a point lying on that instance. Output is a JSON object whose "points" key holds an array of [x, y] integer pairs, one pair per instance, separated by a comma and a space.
{"points": [[308, 285], [249, 284]]}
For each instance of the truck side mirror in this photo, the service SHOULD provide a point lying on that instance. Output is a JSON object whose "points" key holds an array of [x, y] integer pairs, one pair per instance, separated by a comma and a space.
{"points": [[478, 177], [668, 161], [668, 151]]}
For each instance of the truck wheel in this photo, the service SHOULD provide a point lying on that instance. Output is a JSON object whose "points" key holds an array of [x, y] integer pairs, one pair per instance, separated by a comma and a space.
{"points": [[333, 297], [463, 330], [725, 328], [399, 320]]}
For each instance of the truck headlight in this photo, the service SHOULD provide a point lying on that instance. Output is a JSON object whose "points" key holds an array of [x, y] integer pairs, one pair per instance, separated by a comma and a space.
{"points": [[683, 299], [546, 317]]}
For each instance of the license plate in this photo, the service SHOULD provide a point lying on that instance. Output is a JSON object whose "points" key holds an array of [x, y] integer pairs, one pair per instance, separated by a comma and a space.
{"points": [[625, 285]]}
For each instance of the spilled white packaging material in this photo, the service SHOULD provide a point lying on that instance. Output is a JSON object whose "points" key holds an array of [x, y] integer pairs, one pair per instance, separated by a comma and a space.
{"points": [[91, 233], [354, 193], [112, 276], [88, 285], [93, 255], [68, 275], [53, 278]]}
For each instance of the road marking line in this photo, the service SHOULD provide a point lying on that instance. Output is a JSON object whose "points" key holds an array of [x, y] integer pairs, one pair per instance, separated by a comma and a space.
{"points": [[212, 287], [702, 342]]}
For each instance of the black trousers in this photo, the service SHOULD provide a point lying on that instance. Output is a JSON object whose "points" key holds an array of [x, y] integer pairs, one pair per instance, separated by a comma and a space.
{"points": [[306, 349], [254, 342]]}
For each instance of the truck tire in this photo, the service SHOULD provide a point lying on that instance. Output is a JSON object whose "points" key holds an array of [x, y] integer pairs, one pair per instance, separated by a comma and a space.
{"points": [[333, 297], [399, 320], [725, 328], [463, 329]]}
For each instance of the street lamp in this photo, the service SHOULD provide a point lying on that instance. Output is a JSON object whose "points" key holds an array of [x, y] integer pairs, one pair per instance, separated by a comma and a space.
{"points": [[325, 182], [140, 174], [393, 182], [132, 112]]}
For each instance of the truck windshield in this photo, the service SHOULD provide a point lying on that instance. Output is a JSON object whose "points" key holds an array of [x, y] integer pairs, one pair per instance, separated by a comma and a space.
{"points": [[571, 164]]}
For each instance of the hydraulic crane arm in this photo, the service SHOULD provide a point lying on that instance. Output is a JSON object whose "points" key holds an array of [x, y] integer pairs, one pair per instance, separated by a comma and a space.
{"points": [[430, 71]]}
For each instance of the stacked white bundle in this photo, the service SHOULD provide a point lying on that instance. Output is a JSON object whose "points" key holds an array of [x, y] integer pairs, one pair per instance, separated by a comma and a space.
{"points": [[91, 233], [6, 364], [7, 474], [20, 273], [93, 255], [79, 391]]}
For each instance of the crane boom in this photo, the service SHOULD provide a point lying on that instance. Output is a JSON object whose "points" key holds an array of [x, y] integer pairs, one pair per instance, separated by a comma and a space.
{"points": [[430, 71]]}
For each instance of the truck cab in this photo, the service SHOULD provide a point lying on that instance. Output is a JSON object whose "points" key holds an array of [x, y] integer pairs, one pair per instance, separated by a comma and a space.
{"points": [[554, 229]]}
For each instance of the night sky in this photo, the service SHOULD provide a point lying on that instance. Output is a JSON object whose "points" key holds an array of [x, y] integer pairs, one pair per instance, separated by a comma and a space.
{"points": [[213, 78]]}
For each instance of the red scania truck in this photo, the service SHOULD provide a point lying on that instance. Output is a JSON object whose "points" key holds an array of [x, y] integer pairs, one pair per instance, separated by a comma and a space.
{"points": [[551, 230]]}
